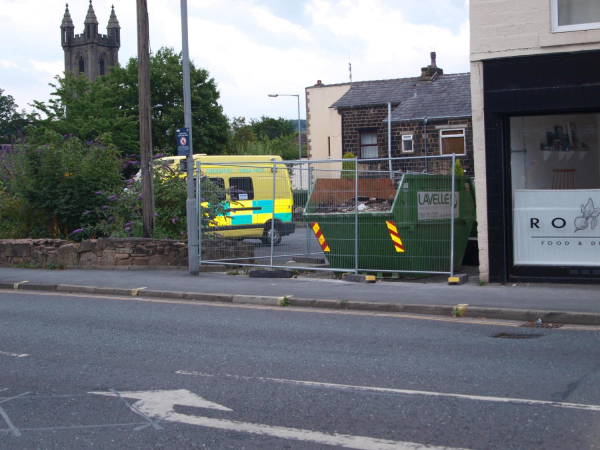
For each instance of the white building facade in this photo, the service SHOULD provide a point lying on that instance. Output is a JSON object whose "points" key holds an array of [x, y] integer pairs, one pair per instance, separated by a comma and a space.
{"points": [[535, 85]]}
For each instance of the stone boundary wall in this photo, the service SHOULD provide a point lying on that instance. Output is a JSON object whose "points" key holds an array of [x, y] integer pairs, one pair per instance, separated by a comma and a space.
{"points": [[115, 253]]}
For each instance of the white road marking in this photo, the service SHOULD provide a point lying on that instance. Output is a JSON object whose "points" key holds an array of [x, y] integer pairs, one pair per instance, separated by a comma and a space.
{"points": [[11, 427], [483, 398], [158, 404], [15, 355]]}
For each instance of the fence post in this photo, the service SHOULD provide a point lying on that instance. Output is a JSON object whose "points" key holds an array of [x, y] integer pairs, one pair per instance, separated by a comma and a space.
{"points": [[356, 215], [452, 216], [199, 200], [273, 213], [308, 189]]}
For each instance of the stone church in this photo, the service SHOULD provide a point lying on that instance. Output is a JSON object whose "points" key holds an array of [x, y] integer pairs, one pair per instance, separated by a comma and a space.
{"points": [[90, 53]]}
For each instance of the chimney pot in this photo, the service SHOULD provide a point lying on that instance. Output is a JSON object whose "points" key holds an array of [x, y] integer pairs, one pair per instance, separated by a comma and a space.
{"points": [[432, 54], [319, 82]]}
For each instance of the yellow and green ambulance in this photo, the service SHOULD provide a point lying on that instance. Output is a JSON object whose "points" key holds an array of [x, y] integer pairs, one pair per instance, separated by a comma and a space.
{"points": [[247, 184]]}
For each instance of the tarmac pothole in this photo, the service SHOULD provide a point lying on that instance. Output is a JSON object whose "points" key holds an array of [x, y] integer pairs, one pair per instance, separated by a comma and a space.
{"points": [[517, 336]]}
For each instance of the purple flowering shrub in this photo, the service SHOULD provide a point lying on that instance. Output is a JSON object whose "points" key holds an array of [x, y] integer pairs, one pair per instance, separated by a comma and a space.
{"points": [[121, 212], [49, 182]]}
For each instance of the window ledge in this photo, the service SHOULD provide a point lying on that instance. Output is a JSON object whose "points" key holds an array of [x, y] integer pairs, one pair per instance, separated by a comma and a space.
{"points": [[570, 38]]}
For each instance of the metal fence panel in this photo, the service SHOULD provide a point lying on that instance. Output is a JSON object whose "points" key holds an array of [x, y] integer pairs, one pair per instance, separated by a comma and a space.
{"points": [[353, 215]]}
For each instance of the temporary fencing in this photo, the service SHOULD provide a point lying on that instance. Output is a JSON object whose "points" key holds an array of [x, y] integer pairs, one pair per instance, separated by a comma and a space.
{"points": [[398, 215]]}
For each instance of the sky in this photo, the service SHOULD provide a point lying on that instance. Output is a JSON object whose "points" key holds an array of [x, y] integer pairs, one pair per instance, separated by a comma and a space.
{"points": [[251, 48]]}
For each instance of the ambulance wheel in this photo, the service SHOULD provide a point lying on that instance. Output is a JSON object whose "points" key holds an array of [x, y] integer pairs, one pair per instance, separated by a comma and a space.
{"points": [[271, 233]]}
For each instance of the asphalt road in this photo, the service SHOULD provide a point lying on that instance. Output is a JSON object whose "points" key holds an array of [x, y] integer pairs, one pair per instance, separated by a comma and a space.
{"points": [[82, 372], [301, 243]]}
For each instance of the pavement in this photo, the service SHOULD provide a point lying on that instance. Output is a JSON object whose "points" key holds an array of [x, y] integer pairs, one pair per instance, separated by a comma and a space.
{"points": [[552, 303]]}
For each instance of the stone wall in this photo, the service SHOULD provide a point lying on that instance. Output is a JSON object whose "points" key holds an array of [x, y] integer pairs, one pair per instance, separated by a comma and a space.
{"points": [[115, 253]]}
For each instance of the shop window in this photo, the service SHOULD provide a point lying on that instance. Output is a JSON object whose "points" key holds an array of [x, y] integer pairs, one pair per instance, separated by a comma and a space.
{"points": [[555, 152], [555, 178], [407, 143], [574, 15], [452, 141], [241, 188], [219, 183], [368, 145]]}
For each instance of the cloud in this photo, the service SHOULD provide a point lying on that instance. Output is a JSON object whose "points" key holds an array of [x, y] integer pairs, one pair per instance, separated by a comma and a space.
{"points": [[8, 64], [266, 20], [52, 68], [251, 47]]}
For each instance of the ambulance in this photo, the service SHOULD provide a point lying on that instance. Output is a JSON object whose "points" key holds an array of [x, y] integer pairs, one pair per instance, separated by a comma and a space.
{"points": [[246, 185]]}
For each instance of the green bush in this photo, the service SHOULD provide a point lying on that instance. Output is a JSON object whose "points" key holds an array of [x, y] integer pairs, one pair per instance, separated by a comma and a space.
{"points": [[458, 169], [121, 212], [49, 183], [348, 167]]}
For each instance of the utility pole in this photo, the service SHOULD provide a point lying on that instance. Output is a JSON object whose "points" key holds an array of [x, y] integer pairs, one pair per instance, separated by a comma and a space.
{"points": [[145, 117], [191, 202]]}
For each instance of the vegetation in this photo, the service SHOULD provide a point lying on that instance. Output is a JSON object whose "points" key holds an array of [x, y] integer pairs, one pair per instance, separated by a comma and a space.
{"points": [[348, 167], [11, 121], [458, 169], [48, 184], [266, 136], [87, 110]]}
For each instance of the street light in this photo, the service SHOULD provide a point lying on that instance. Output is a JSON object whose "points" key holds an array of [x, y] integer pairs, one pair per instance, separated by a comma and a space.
{"points": [[299, 140]]}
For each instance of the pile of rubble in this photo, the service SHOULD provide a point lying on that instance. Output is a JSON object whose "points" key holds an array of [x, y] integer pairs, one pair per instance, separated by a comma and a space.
{"points": [[365, 204]]}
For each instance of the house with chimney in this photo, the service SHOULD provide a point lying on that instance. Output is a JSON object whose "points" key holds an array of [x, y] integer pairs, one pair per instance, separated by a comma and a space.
{"points": [[430, 115]]}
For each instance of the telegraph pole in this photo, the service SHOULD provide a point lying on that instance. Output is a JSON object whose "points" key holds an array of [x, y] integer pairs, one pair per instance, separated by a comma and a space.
{"points": [[191, 202], [145, 117]]}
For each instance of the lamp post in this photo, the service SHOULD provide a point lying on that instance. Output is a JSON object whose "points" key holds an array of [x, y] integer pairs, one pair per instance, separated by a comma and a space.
{"points": [[299, 140]]}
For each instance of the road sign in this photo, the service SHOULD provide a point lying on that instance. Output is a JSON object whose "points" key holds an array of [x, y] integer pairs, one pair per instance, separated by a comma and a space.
{"points": [[183, 141]]}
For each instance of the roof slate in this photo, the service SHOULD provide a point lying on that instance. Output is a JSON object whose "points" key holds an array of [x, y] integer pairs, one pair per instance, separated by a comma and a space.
{"points": [[447, 96], [367, 93]]}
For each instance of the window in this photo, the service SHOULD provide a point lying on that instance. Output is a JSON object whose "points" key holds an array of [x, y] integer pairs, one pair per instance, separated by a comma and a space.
{"points": [[574, 15], [368, 145], [219, 183], [407, 143], [452, 141], [102, 66], [241, 188], [81, 65]]}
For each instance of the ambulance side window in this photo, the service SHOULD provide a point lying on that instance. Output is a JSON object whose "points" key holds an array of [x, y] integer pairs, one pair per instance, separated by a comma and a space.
{"points": [[241, 188], [219, 184]]}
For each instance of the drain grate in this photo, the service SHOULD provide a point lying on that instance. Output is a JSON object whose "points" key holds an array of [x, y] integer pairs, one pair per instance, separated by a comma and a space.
{"points": [[517, 336], [541, 325]]}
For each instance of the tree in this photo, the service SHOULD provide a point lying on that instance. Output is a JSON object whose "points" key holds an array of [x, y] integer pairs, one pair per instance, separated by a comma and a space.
{"points": [[86, 110], [272, 128], [11, 121], [210, 127]]}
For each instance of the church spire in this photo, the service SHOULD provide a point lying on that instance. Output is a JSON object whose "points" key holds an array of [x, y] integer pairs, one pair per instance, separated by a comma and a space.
{"points": [[91, 16], [67, 21], [113, 21]]}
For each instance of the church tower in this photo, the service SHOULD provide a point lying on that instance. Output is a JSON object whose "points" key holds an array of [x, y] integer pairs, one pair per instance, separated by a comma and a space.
{"points": [[90, 53]]}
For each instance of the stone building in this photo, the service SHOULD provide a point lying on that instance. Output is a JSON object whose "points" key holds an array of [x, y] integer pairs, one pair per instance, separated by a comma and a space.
{"points": [[430, 116], [90, 53]]}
